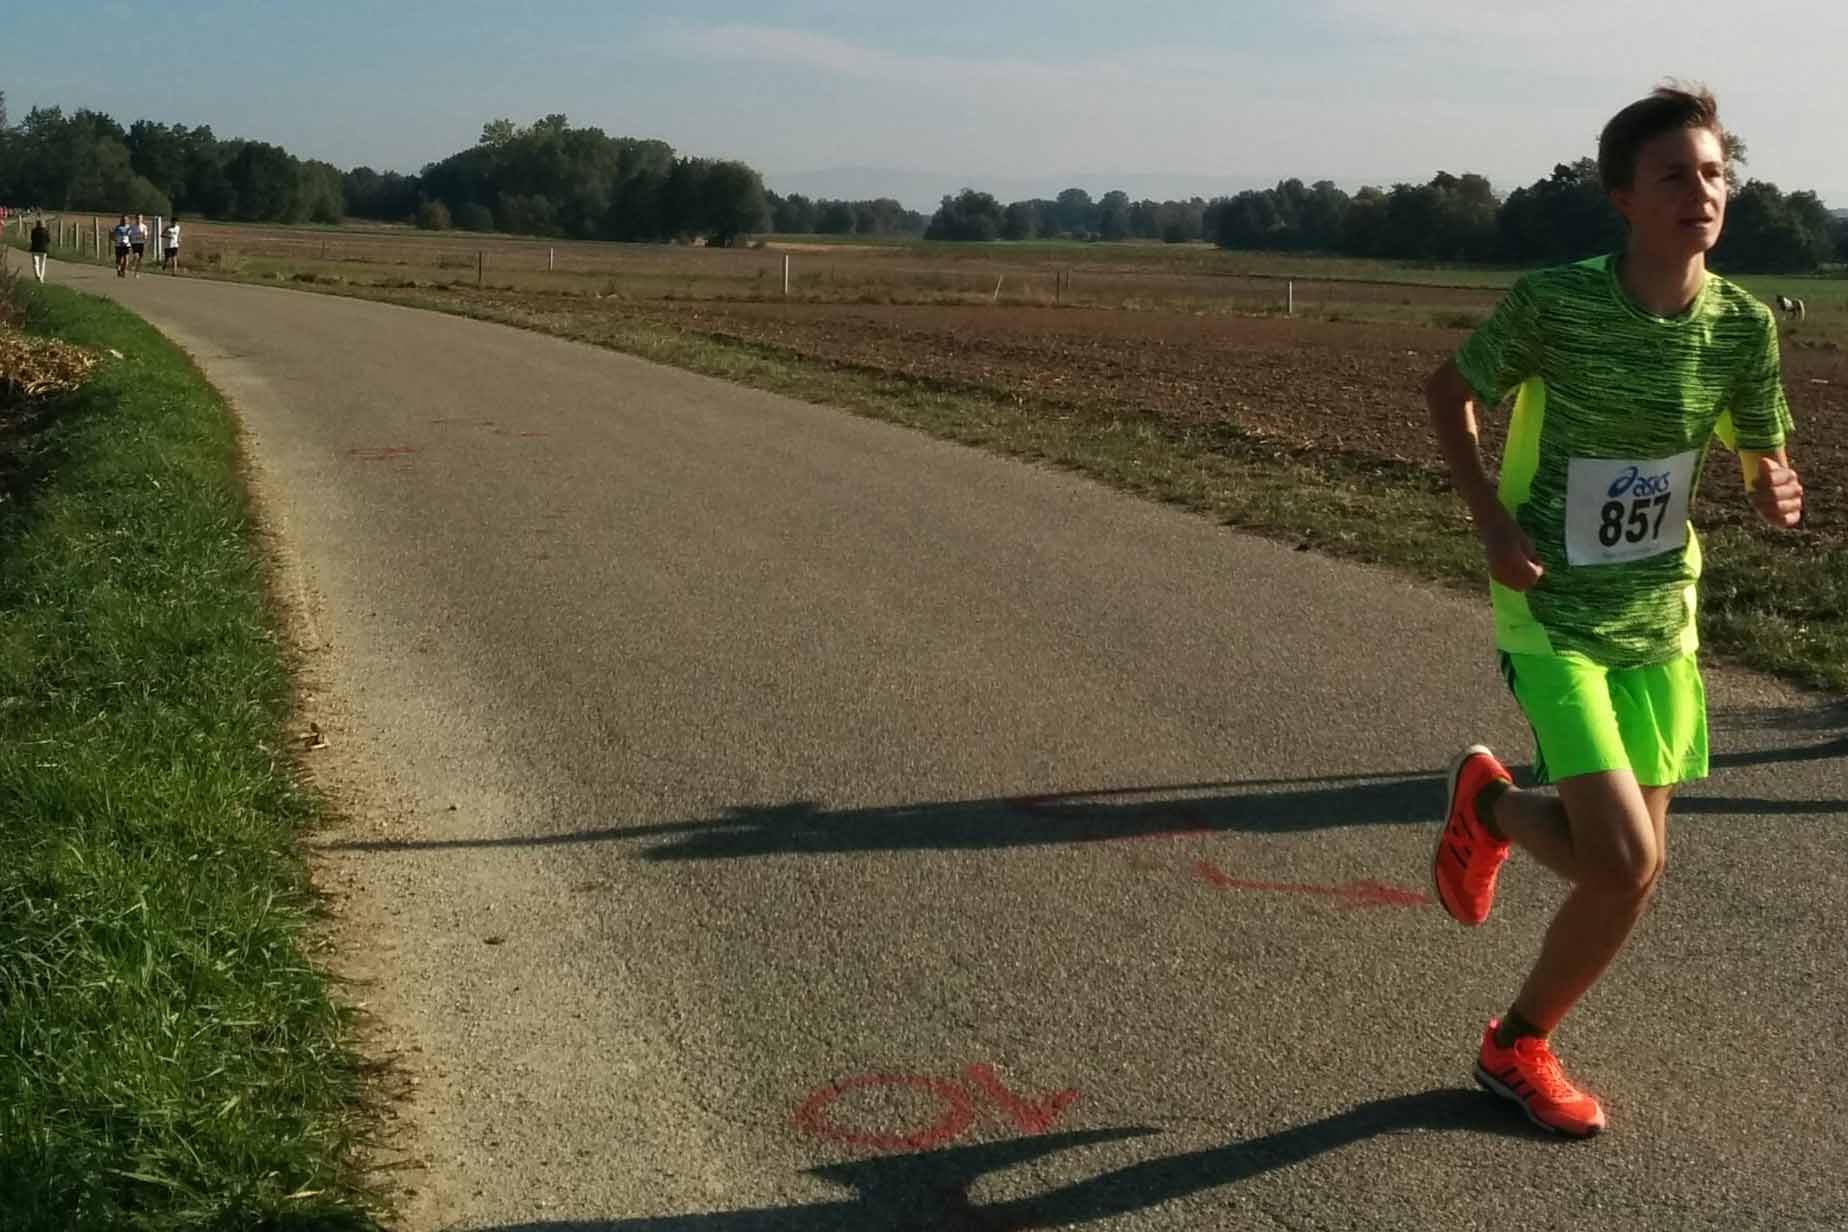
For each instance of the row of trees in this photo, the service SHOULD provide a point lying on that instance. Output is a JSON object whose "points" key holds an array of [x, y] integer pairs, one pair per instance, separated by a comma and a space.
{"points": [[547, 178], [552, 179], [1566, 215], [1557, 218], [1450, 218], [972, 215], [87, 161], [798, 215]]}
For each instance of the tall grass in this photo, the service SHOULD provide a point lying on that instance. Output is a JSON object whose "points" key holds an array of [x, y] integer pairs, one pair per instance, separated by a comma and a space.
{"points": [[168, 1057]]}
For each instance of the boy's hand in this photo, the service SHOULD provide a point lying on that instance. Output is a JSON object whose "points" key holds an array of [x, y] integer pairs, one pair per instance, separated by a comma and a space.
{"points": [[1512, 560], [1777, 495]]}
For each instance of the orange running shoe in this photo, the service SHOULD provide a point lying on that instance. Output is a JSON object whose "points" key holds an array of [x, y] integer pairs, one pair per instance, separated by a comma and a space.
{"points": [[1528, 1073], [1468, 856]]}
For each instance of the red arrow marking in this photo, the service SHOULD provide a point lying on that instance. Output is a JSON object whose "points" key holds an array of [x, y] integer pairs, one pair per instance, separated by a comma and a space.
{"points": [[1379, 894], [958, 1113], [1033, 1117], [1354, 893]]}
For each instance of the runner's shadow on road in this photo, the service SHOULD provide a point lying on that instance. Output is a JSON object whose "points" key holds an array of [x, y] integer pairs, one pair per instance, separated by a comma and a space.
{"points": [[929, 1191], [1268, 806], [806, 827]]}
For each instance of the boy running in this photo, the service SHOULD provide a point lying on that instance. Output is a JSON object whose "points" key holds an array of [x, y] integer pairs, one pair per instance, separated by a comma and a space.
{"points": [[119, 236], [170, 248], [1626, 367]]}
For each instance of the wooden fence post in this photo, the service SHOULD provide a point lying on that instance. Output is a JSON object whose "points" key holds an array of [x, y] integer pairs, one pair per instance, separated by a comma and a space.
{"points": [[551, 257], [1290, 304], [481, 261], [785, 275]]}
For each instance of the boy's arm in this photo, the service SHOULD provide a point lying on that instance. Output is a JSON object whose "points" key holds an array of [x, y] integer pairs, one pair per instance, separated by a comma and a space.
{"points": [[1512, 560]]}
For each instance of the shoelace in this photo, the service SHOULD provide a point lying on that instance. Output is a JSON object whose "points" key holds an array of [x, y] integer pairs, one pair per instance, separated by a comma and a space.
{"points": [[1545, 1072]]}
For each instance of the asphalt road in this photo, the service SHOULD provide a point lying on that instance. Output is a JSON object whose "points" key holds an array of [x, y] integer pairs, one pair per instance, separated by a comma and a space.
{"points": [[766, 818]]}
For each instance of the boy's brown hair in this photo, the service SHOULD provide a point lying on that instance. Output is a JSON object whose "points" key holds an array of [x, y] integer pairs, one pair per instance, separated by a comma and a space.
{"points": [[1668, 108]]}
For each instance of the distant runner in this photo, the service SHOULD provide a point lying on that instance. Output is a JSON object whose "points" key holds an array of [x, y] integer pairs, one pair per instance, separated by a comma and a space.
{"points": [[138, 243], [1627, 367], [170, 247], [41, 248], [119, 236]]}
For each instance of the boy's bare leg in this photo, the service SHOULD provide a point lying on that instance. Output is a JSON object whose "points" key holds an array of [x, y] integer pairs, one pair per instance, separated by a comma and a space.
{"points": [[1606, 835]]}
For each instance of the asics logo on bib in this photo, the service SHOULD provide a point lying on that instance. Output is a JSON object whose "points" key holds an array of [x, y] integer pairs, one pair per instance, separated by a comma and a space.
{"points": [[1622, 509], [1632, 482]]}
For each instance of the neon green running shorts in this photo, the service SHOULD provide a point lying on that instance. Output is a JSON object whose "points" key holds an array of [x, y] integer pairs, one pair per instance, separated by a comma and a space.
{"points": [[1587, 718]]}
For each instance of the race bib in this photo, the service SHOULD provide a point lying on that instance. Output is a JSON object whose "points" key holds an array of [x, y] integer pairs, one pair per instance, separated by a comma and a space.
{"points": [[1622, 509]]}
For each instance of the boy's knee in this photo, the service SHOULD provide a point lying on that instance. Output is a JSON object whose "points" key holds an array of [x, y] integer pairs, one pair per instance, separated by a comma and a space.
{"points": [[1632, 870]]}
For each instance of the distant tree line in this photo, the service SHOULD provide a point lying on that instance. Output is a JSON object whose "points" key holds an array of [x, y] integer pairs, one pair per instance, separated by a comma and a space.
{"points": [[546, 178], [976, 216], [549, 178], [1452, 218], [798, 215], [1560, 218], [87, 161]]}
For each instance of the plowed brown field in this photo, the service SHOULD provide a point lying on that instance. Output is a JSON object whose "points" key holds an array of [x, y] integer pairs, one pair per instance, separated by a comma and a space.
{"points": [[1304, 384]]}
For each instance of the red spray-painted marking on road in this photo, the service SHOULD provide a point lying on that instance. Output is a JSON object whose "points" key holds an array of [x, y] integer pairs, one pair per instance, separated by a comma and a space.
{"points": [[1032, 1116], [958, 1113], [1353, 894], [1028, 1114], [380, 455]]}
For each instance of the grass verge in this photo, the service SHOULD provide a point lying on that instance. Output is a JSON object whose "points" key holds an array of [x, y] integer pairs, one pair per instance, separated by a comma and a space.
{"points": [[168, 1057]]}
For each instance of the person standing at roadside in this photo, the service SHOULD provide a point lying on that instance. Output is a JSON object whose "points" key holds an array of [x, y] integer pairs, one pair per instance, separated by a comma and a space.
{"points": [[170, 247], [41, 247]]}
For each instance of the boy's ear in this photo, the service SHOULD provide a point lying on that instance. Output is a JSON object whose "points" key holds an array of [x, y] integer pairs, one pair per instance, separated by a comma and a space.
{"points": [[1622, 200]]}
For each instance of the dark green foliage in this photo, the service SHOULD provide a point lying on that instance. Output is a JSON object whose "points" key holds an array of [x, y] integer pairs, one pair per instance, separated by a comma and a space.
{"points": [[1562, 218], [473, 216], [969, 215], [544, 179], [385, 195], [86, 161], [1770, 233]]}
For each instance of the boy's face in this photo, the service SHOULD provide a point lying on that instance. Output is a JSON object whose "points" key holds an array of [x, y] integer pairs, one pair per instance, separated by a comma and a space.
{"points": [[1676, 202]]}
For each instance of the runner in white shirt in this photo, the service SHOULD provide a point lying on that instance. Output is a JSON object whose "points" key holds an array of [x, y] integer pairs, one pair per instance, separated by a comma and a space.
{"points": [[138, 242], [119, 235], [170, 248]]}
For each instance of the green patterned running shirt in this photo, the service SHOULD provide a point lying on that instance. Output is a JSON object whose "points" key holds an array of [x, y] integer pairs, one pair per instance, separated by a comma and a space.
{"points": [[1614, 411]]}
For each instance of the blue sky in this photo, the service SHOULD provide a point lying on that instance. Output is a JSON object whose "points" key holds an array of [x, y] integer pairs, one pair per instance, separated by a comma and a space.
{"points": [[1189, 93]]}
